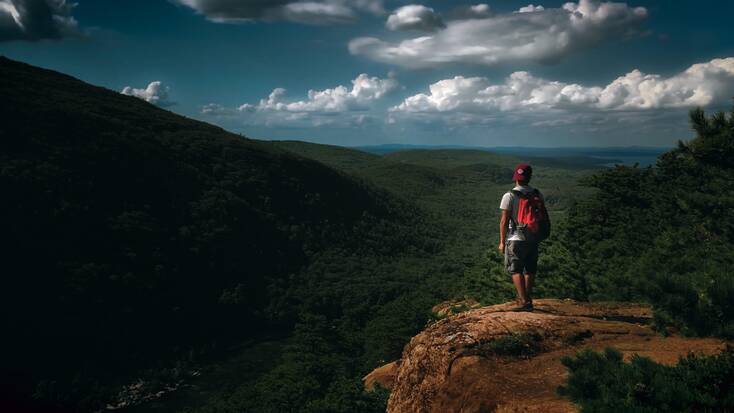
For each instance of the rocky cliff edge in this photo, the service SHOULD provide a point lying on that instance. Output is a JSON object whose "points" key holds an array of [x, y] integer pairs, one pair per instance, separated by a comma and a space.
{"points": [[490, 359]]}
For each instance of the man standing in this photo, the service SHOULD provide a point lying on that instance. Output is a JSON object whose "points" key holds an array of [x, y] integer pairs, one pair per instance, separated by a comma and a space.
{"points": [[524, 223]]}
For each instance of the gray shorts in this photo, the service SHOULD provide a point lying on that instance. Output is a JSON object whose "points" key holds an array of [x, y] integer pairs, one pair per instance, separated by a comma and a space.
{"points": [[521, 257]]}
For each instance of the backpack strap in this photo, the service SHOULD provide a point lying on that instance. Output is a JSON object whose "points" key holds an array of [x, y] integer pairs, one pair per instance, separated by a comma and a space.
{"points": [[515, 196]]}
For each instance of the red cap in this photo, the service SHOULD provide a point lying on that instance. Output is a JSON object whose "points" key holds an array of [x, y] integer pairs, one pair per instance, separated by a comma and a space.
{"points": [[523, 172]]}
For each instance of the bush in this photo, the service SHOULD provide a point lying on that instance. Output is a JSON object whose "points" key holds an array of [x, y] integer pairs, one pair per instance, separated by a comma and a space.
{"points": [[602, 382]]}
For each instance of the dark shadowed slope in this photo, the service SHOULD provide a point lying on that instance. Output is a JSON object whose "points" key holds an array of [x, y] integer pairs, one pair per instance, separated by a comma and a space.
{"points": [[133, 236]]}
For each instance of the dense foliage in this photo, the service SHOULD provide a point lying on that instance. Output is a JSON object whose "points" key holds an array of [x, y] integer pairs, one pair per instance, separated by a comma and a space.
{"points": [[663, 234], [604, 383], [140, 244]]}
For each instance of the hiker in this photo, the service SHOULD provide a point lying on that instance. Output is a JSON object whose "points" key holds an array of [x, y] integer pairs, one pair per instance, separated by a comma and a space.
{"points": [[523, 225]]}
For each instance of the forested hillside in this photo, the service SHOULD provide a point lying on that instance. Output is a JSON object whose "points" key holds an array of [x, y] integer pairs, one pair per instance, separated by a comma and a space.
{"points": [[138, 244], [664, 234]]}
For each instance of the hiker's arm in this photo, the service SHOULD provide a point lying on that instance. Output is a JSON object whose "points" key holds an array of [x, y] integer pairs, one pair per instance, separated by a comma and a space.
{"points": [[503, 230]]}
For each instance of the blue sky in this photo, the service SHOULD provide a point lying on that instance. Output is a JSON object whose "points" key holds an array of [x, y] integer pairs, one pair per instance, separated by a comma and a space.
{"points": [[502, 73]]}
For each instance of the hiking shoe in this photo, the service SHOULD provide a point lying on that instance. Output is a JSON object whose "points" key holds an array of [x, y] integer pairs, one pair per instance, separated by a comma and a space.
{"points": [[527, 307]]}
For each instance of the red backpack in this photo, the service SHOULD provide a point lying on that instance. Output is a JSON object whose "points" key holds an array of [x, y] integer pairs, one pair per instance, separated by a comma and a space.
{"points": [[532, 216]]}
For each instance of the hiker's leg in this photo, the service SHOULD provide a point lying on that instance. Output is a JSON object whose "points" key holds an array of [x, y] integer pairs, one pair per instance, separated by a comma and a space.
{"points": [[529, 279], [519, 280], [531, 268], [514, 266]]}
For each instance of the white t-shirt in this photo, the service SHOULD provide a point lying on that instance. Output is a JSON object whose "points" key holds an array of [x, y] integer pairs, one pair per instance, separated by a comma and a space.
{"points": [[508, 204]]}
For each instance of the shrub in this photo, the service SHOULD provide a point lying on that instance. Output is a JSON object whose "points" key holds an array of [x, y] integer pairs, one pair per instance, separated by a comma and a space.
{"points": [[521, 345], [602, 382]]}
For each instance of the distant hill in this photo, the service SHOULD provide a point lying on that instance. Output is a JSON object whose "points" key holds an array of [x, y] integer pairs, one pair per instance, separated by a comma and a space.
{"points": [[451, 158], [134, 238], [396, 147], [339, 157], [586, 156], [403, 179], [440, 176]]}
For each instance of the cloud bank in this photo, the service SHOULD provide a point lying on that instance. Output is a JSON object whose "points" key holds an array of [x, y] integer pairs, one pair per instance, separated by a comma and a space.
{"points": [[532, 33], [36, 20], [155, 93], [329, 106], [308, 12], [702, 84]]}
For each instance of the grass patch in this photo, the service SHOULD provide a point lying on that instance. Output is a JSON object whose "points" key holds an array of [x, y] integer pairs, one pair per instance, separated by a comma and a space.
{"points": [[522, 345], [578, 337]]}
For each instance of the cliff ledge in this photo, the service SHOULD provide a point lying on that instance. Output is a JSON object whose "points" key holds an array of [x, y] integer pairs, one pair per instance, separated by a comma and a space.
{"points": [[491, 360]]}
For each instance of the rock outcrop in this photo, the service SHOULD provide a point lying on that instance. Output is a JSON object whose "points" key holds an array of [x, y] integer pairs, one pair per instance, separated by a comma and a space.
{"points": [[452, 307], [492, 360], [383, 376]]}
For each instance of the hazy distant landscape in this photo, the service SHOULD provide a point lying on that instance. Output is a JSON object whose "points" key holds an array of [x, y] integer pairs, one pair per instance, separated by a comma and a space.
{"points": [[610, 156]]}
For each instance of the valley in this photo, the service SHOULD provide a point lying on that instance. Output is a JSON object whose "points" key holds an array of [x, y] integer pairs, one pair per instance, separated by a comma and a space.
{"points": [[156, 263]]}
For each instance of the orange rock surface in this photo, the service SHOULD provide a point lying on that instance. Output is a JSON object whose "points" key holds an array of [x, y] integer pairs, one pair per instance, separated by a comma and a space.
{"points": [[445, 368], [384, 376]]}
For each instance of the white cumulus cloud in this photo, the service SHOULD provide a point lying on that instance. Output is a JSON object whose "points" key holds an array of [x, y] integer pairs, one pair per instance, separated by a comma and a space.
{"points": [[340, 105], [537, 34], [415, 17], [301, 11], [530, 9], [701, 84], [155, 93], [364, 89]]}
